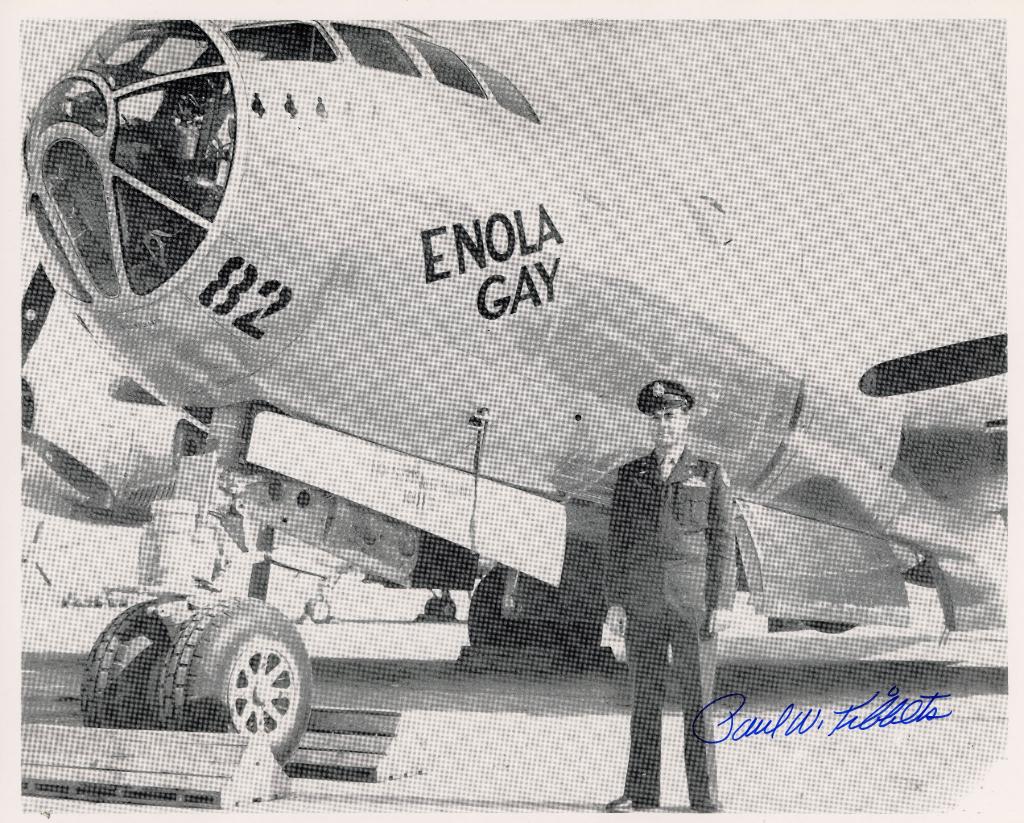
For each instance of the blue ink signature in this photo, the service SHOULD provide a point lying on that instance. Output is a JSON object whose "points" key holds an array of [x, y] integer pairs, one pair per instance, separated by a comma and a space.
{"points": [[895, 710]]}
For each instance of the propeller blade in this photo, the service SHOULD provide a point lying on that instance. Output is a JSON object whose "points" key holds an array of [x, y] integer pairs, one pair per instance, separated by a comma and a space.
{"points": [[35, 306], [69, 469], [936, 368]]}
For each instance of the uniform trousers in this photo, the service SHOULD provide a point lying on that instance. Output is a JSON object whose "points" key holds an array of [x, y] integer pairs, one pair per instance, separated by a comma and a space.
{"points": [[648, 638]]}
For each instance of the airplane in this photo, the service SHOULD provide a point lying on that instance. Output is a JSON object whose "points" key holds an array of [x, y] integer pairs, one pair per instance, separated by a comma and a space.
{"points": [[97, 447], [412, 327]]}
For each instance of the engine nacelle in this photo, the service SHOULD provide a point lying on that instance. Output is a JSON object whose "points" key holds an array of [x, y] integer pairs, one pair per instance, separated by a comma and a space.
{"points": [[835, 463], [83, 444]]}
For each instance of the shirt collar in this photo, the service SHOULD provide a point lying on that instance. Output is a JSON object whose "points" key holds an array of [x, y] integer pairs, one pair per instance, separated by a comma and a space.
{"points": [[675, 454], [684, 457]]}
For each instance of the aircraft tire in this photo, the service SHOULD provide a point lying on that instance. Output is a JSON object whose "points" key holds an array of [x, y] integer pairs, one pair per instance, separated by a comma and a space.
{"points": [[239, 666], [120, 682], [576, 642], [487, 628], [826, 627]]}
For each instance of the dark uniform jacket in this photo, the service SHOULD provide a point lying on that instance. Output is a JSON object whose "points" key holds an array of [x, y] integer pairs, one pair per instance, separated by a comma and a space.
{"points": [[671, 544]]}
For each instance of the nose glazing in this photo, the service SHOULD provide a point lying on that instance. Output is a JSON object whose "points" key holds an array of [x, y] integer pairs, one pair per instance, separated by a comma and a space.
{"points": [[75, 186], [129, 159], [71, 101]]}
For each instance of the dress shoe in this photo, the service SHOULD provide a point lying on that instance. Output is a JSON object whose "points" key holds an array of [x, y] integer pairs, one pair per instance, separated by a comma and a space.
{"points": [[628, 804], [706, 808]]}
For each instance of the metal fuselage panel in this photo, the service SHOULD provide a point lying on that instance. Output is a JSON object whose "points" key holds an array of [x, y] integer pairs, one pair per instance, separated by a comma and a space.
{"points": [[391, 255], [438, 257], [376, 343]]}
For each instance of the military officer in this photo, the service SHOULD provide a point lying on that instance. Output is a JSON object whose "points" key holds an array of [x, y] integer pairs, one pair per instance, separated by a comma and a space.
{"points": [[671, 565]]}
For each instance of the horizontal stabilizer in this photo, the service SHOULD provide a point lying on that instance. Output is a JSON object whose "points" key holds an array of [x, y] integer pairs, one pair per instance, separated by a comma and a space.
{"points": [[522, 530]]}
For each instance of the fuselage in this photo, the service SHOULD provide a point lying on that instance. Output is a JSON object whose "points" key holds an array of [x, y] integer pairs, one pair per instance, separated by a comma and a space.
{"points": [[360, 229], [385, 254]]}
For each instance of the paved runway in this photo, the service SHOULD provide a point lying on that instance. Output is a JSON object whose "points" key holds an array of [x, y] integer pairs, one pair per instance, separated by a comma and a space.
{"points": [[535, 743], [543, 743]]}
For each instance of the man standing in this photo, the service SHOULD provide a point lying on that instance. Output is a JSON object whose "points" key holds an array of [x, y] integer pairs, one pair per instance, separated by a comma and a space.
{"points": [[670, 555]]}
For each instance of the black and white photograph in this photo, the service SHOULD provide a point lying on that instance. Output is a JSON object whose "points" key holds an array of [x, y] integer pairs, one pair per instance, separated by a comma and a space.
{"points": [[568, 414]]}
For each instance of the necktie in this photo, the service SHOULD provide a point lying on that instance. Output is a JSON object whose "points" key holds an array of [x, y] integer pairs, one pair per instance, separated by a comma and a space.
{"points": [[667, 465]]}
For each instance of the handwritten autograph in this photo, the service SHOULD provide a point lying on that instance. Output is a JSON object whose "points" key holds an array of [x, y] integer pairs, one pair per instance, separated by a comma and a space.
{"points": [[857, 717]]}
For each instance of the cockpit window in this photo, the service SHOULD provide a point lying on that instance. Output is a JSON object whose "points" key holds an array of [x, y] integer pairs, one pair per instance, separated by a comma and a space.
{"points": [[376, 49], [73, 101], [283, 41], [155, 241], [53, 244], [174, 54], [179, 138], [76, 186], [134, 51], [448, 67], [127, 51], [507, 95]]}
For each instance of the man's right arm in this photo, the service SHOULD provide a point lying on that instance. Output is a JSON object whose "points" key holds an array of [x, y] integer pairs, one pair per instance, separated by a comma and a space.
{"points": [[618, 541]]}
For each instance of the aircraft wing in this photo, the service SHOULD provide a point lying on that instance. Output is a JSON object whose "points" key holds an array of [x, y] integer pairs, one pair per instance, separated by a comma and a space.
{"points": [[801, 569], [811, 554]]}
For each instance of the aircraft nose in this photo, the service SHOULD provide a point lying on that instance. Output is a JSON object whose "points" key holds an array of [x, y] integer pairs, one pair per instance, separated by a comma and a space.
{"points": [[75, 185], [129, 159], [83, 170], [66, 133], [75, 101]]}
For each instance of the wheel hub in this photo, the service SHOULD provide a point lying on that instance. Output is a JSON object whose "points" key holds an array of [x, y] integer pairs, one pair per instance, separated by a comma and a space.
{"points": [[263, 691]]}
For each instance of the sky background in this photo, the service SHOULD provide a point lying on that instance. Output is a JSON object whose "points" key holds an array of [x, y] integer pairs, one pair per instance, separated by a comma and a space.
{"points": [[861, 164]]}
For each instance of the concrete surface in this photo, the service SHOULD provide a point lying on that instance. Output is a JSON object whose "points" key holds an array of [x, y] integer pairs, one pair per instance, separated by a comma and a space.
{"points": [[517, 742], [506, 742]]}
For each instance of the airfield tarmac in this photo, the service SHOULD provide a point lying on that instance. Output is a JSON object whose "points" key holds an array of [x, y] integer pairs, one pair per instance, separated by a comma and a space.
{"points": [[535, 742], [529, 742]]}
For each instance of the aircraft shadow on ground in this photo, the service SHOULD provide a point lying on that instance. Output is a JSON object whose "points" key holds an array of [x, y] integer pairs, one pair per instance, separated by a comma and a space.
{"points": [[436, 685], [432, 685]]}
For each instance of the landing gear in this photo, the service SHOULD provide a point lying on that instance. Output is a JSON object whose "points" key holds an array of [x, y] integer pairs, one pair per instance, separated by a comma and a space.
{"points": [[440, 608], [239, 666], [121, 680], [487, 627], [575, 644], [235, 666]]}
